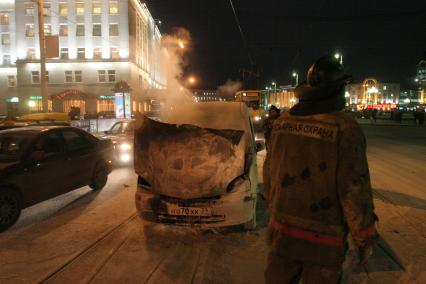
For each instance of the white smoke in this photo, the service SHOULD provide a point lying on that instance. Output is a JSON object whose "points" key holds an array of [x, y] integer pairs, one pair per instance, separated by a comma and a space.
{"points": [[229, 89], [174, 48]]}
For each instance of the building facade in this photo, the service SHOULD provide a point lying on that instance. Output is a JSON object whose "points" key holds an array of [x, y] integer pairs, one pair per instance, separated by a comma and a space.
{"points": [[207, 96], [421, 80], [8, 83], [283, 98], [101, 42], [372, 94]]}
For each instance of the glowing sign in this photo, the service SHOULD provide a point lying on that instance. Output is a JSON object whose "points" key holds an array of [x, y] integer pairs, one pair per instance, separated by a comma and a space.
{"points": [[13, 100], [119, 105]]}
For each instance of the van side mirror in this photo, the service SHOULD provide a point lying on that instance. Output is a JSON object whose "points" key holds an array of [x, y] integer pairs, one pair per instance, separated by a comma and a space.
{"points": [[38, 156], [260, 145]]}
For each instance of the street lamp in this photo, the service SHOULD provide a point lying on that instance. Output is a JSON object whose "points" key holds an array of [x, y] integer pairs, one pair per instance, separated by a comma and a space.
{"points": [[296, 75], [337, 56], [191, 80], [275, 87]]}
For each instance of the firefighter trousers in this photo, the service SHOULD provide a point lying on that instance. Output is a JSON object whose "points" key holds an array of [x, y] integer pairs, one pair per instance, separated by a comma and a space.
{"points": [[281, 270]]}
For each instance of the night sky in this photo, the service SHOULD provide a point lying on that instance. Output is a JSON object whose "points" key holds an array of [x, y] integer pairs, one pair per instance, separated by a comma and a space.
{"points": [[380, 38]]}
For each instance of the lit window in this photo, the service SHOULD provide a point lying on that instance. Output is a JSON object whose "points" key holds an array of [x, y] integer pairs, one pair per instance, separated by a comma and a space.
{"points": [[115, 53], [29, 9], [11, 81], [29, 30], [6, 59], [96, 8], [78, 76], [111, 75], [4, 19], [31, 53], [97, 30], [79, 9], [64, 53], [97, 53], [68, 76], [102, 76], [113, 7], [63, 30], [63, 9], [81, 53], [47, 29], [46, 9], [35, 77], [113, 29], [5, 39], [79, 30]]}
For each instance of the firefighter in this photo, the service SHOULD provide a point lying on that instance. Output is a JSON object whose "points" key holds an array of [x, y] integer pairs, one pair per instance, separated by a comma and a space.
{"points": [[274, 113], [317, 183]]}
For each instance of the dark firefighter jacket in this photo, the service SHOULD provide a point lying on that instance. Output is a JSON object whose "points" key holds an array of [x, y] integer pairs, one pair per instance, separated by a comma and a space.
{"points": [[317, 186]]}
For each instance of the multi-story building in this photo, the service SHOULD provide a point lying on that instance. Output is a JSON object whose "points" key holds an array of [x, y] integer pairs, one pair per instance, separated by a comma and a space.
{"points": [[207, 96], [421, 79], [283, 98], [371, 93], [8, 84], [101, 42], [409, 97]]}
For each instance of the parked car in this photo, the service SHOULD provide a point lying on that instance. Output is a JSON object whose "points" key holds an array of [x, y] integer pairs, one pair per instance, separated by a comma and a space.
{"points": [[41, 162], [121, 133], [198, 168]]}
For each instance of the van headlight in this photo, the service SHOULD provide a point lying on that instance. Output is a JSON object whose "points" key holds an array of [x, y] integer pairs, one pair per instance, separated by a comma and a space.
{"points": [[125, 147], [257, 118], [125, 157]]}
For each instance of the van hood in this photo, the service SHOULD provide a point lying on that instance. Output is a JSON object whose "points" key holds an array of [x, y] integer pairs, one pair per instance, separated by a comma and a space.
{"points": [[187, 161]]}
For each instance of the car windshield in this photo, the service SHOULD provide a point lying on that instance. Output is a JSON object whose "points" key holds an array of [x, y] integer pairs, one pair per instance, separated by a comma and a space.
{"points": [[127, 127], [115, 129], [12, 146]]}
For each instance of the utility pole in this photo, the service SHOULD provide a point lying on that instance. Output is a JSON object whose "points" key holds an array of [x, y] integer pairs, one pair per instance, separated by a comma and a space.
{"points": [[43, 79]]}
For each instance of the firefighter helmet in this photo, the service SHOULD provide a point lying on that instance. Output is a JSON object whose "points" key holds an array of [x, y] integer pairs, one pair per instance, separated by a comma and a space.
{"points": [[327, 71]]}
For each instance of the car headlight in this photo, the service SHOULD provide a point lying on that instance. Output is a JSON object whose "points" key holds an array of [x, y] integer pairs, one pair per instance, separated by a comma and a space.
{"points": [[125, 147], [257, 118], [125, 157]]}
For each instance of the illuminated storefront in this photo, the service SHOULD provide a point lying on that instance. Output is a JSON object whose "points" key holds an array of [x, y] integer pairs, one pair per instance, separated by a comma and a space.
{"points": [[372, 94], [105, 104]]}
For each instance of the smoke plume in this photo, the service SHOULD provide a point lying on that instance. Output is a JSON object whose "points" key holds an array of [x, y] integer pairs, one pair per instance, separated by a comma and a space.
{"points": [[229, 89], [174, 48]]}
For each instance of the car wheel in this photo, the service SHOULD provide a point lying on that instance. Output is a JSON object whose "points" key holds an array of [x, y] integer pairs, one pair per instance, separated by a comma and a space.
{"points": [[100, 176], [10, 208]]}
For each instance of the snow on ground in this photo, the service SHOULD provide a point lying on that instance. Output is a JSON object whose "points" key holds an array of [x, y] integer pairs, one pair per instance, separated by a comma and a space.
{"points": [[105, 241]]}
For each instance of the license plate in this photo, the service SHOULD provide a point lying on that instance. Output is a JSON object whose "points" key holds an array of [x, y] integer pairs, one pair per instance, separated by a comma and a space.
{"points": [[173, 209]]}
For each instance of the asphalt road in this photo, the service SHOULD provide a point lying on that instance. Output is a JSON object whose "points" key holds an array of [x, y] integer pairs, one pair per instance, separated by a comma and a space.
{"points": [[87, 236]]}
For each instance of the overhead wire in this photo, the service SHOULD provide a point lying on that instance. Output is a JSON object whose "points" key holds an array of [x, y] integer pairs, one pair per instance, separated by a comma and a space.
{"points": [[237, 21]]}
